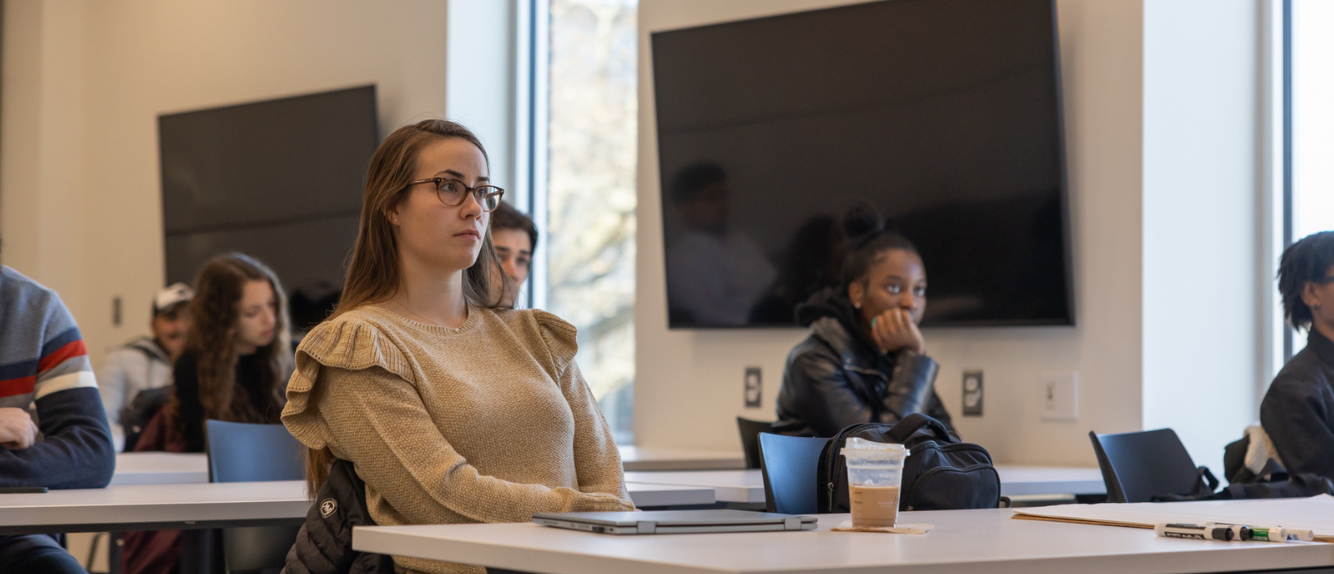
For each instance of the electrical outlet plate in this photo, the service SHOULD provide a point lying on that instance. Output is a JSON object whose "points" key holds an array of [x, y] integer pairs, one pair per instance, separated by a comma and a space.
{"points": [[1060, 396], [972, 393], [754, 388]]}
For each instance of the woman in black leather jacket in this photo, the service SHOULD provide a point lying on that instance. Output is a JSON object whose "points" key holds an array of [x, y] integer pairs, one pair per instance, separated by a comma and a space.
{"points": [[865, 360]]}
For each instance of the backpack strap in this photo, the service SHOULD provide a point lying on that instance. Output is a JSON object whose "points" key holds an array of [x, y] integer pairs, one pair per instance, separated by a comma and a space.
{"points": [[916, 422], [1205, 482]]}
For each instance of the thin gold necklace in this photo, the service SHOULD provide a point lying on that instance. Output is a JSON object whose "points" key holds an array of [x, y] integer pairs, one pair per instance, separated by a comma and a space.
{"points": [[428, 321]]}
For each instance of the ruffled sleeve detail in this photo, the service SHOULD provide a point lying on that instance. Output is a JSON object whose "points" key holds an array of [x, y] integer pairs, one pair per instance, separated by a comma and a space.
{"points": [[560, 337], [344, 343]]}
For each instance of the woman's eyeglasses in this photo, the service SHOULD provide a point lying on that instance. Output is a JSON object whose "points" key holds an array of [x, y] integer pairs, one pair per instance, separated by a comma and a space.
{"points": [[453, 192]]}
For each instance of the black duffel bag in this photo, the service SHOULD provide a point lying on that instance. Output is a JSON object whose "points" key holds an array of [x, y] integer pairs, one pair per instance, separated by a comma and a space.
{"points": [[940, 473]]}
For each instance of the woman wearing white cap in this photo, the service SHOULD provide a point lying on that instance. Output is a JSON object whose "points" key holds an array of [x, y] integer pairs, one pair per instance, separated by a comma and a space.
{"points": [[145, 363]]}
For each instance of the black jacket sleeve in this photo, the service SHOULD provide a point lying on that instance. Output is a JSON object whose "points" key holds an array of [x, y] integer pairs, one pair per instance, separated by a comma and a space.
{"points": [[1298, 415], [76, 449], [911, 386], [189, 407]]}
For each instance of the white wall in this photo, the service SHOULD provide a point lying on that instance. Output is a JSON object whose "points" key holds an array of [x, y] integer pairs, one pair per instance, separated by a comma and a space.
{"points": [[1205, 278], [42, 118], [81, 185]]}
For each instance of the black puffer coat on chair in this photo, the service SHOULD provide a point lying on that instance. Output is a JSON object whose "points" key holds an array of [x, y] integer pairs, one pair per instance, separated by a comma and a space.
{"points": [[324, 544]]}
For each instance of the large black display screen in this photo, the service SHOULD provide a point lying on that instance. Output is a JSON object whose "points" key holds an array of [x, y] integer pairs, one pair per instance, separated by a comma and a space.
{"points": [[280, 180], [944, 115]]}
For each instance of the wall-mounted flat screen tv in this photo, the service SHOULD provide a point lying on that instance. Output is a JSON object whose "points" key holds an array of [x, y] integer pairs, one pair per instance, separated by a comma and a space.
{"points": [[280, 180], [943, 115]]}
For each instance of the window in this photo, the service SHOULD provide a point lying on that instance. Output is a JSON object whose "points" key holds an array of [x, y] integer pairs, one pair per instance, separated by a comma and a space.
{"points": [[590, 139], [1310, 133]]}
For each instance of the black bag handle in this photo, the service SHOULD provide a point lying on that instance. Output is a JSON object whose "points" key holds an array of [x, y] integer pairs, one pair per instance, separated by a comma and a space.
{"points": [[915, 422], [1205, 482]]}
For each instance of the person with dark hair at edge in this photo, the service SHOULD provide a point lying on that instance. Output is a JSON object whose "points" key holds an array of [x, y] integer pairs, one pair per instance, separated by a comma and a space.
{"points": [[145, 363], [1298, 410], [44, 362], [865, 360], [515, 239], [452, 406], [715, 274]]}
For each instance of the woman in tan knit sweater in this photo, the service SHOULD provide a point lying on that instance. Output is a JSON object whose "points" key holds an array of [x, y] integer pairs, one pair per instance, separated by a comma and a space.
{"points": [[452, 408]]}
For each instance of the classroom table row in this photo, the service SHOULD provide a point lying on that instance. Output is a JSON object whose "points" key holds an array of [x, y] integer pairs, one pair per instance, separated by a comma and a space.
{"points": [[165, 490], [171, 491], [161, 490]]}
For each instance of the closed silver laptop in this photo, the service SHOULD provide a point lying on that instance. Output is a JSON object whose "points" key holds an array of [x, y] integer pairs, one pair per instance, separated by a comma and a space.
{"points": [[675, 521]]}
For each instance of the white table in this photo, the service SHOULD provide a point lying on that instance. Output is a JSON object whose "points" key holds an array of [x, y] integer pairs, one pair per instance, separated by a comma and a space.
{"points": [[657, 495], [741, 486], [965, 541], [160, 468], [1035, 480], [747, 486], [655, 458], [155, 507]]}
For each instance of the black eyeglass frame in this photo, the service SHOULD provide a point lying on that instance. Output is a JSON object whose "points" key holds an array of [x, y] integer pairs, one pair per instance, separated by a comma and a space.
{"points": [[472, 191]]}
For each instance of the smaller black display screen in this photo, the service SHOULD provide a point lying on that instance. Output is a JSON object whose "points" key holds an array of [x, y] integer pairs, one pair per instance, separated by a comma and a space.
{"points": [[280, 180], [943, 115]]}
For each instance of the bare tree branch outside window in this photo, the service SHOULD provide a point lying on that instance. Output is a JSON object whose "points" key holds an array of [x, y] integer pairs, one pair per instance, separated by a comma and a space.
{"points": [[591, 185]]}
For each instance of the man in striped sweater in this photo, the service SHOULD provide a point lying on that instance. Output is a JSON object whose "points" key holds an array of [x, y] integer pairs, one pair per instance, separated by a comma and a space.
{"points": [[43, 362]]}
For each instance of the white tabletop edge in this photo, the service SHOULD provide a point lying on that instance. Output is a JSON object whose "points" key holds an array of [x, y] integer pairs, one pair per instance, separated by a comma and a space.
{"points": [[1005, 546]]}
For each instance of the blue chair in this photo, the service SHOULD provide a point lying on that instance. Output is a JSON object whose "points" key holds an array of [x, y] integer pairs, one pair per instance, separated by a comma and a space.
{"points": [[788, 464], [1137, 466], [243, 452]]}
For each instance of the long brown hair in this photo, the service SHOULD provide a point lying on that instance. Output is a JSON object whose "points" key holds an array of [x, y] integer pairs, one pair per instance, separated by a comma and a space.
{"points": [[373, 270], [215, 310]]}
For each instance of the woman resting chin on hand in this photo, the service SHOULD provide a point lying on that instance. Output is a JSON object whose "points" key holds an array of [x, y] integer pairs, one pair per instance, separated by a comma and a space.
{"points": [[865, 360], [452, 407]]}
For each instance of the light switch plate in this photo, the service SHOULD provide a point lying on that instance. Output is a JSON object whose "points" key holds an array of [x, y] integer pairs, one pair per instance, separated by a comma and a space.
{"points": [[1060, 396], [754, 388]]}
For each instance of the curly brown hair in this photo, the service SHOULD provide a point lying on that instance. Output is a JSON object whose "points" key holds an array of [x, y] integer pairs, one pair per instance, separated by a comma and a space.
{"points": [[215, 310]]}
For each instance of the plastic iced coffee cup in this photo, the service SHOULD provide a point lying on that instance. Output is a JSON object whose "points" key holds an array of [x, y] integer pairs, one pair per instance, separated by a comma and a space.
{"points": [[875, 470]]}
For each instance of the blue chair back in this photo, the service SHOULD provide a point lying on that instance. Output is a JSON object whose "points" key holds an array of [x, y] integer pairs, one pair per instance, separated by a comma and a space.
{"points": [[245, 452], [788, 464], [1137, 466]]}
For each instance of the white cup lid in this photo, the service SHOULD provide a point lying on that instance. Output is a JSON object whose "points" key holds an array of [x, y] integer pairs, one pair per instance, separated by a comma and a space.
{"points": [[862, 447]]}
